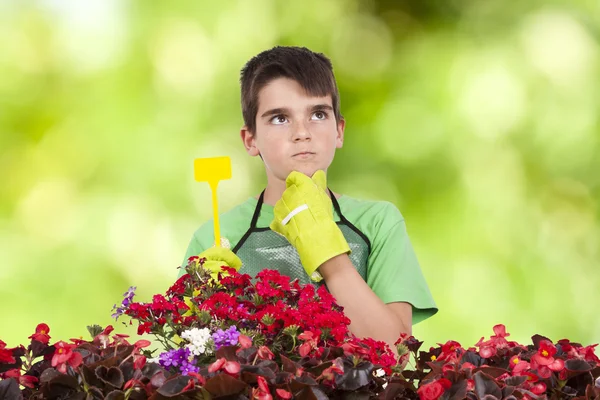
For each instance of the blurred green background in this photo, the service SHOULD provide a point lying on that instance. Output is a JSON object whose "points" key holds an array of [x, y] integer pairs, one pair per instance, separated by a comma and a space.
{"points": [[478, 119]]}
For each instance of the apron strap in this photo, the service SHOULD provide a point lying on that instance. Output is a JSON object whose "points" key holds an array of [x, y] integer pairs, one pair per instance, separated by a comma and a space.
{"points": [[336, 207], [257, 210]]}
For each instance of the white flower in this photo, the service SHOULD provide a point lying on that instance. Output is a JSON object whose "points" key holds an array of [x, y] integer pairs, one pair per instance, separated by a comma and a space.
{"points": [[198, 339]]}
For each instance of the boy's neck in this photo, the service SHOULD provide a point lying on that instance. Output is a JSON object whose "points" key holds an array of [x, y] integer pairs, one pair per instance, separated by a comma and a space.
{"points": [[273, 192]]}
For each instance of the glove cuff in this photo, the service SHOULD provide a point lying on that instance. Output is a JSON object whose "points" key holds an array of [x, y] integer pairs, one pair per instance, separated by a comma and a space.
{"points": [[320, 245]]}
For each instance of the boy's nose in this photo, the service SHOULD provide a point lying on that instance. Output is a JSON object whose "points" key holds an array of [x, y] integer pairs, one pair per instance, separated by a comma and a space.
{"points": [[301, 132]]}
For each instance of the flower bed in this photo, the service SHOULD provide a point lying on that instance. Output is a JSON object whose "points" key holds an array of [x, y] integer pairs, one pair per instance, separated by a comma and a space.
{"points": [[239, 338]]}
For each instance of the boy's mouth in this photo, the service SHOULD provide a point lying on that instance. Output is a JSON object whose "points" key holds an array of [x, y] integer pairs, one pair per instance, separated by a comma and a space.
{"points": [[304, 154]]}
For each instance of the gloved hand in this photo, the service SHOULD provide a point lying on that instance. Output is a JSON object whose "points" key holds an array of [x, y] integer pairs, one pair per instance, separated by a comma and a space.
{"points": [[216, 257], [304, 215]]}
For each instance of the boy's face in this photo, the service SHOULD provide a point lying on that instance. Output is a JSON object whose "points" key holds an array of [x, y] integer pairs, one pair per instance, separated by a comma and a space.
{"points": [[294, 131]]}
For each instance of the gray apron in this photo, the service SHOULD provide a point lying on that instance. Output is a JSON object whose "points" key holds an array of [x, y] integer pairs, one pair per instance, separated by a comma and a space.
{"points": [[262, 248]]}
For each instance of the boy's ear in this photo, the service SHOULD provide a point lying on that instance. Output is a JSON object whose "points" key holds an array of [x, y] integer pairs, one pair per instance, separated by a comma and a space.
{"points": [[341, 125], [249, 140]]}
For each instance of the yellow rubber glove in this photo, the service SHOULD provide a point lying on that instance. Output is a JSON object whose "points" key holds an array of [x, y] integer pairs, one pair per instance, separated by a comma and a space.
{"points": [[304, 215], [216, 257]]}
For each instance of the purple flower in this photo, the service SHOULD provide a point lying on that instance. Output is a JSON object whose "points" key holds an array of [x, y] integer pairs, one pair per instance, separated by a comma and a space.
{"points": [[175, 358], [179, 358], [187, 368], [128, 297], [228, 337]]}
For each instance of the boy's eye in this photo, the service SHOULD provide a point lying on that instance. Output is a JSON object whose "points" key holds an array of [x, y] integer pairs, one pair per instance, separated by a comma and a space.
{"points": [[320, 115], [278, 120]]}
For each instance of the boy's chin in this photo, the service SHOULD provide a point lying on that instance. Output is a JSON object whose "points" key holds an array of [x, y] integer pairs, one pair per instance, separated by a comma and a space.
{"points": [[307, 171]]}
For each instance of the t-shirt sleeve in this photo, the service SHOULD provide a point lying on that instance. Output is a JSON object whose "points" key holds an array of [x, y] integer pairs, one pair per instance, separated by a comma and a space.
{"points": [[394, 271]]}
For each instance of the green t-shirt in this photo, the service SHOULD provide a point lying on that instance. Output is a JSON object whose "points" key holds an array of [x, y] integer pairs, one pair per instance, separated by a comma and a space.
{"points": [[394, 273]]}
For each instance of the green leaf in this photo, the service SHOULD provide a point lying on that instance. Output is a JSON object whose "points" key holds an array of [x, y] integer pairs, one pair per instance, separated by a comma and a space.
{"points": [[94, 330]]}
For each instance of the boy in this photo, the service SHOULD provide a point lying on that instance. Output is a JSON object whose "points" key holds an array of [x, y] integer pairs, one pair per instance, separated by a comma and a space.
{"points": [[359, 249]]}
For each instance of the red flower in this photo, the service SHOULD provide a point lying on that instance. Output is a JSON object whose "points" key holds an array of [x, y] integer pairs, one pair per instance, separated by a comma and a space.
{"points": [[446, 384], [470, 385], [6, 355], [310, 342], [467, 365], [450, 346], [139, 361], [450, 351], [262, 392], [545, 353], [531, 377], [140, 344], [565, 344], [520, 367], [487, 352], [63, 355], [336, 368], [144, 327], [284, 394], [431, 391], [103, 337], [265, 354], [138, 311], [539, 388], [403, 338], [231, 367], [305, 348], [25, 380], [41, 334], [498, 339], [514, 361], [244, 341], [160, 304], [217, 365], [588, 353], [178, 288]]}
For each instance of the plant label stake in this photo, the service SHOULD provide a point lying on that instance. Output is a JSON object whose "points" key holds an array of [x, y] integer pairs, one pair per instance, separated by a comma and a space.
{"points": [[213, 170]]}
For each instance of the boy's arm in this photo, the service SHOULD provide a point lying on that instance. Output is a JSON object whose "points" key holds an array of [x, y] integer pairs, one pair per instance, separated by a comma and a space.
{"points": [[370, 316]]}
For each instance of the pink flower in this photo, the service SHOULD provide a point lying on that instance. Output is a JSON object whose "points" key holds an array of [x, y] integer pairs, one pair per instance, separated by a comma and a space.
{"points": [[487, 352], [284, 394], [63, 355], [244, 341], [545, 353], [265, 354], [431, 391]]}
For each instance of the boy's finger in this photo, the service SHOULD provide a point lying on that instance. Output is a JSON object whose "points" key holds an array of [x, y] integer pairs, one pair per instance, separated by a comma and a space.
{"points": [[320, 179], [296, 178]]}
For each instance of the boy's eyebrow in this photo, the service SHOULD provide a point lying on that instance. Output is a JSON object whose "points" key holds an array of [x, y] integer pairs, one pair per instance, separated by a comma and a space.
{"points": [[275, 111], [284, 110], [319, 107]]}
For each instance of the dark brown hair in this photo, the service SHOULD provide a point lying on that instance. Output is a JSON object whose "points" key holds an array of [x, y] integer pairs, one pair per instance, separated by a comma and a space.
{"points": [[313, 71]]}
